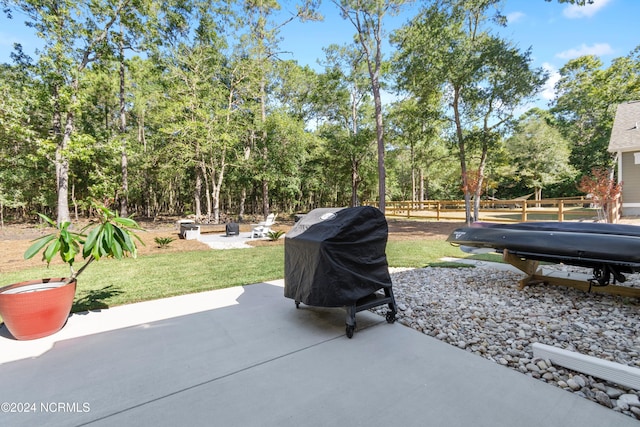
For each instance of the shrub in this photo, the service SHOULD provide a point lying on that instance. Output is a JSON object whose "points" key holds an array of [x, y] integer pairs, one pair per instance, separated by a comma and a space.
{"points": [[163, 242], [275, 235]]}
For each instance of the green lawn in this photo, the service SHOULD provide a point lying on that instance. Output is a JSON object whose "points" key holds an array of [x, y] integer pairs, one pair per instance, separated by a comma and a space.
{"points": [[109, 283]]}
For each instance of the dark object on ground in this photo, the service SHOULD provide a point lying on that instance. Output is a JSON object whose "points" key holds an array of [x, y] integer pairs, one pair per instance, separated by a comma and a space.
{"points": [[610, 249], [336, 258], [232, 229]]}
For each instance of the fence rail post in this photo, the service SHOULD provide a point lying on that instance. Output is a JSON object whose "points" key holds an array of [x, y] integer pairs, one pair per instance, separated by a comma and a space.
{"points": [[504, 211], [561, 210]]}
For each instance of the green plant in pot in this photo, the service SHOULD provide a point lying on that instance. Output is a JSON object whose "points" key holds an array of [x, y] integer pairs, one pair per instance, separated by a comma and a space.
{"points": [[38, 308]]}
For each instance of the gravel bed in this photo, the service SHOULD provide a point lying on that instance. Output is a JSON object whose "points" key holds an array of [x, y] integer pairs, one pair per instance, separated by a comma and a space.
{"points": [[481, 310]]}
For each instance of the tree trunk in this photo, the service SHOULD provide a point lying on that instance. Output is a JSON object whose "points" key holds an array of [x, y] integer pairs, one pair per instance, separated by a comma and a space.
{"points": [[124, 162], [197, 193], [60, 161], [422, 192], [206, 191], [265, 149], [215, 203], [62, 171], [141, 135], [462, 156], [74, 202], [243, 199], [215, 199], [382, 174], [217, 185], [265, 197], [374, 65], [354, 184], [414, 195], [354, 160], [478, 189]]}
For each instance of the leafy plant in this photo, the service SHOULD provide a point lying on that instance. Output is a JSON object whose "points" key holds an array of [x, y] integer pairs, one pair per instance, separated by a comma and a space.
{"points": [[112, 236], [163, 242], [604, 189], [274, 235], [601, 186]]}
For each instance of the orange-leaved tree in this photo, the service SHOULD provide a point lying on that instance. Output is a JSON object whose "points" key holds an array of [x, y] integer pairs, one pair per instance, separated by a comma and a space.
{"points": [[604, 190]]}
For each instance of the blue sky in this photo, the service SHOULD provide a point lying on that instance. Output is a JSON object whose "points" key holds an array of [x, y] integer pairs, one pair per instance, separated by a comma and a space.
{"points": [[555, 32], [558, 33]]}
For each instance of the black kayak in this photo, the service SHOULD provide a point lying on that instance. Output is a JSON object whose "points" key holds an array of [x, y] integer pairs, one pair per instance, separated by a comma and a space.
{"points": [[609, 247]]}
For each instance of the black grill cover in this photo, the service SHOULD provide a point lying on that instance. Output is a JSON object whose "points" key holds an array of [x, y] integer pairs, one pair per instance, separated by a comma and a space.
{"points": [[333, 256], [233, 228]]}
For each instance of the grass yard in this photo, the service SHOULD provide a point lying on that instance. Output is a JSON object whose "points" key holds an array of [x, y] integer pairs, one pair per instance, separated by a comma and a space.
{"points": [[109, 283]]}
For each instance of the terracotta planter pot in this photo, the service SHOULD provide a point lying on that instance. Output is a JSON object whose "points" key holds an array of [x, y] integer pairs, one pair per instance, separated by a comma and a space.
{"points": [[36, 308]]}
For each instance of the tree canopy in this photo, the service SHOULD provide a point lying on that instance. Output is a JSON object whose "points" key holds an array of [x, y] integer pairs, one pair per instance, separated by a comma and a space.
{"points": [[187, 107]]}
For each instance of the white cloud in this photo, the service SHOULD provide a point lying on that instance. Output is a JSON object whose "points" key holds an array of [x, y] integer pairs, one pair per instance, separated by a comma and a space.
{"points": [[549, 91], [597, 49], [515, 17], [576, 12]]}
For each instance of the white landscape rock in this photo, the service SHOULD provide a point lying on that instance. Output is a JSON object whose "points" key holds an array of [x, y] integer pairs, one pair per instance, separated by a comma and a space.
{"points": [[630, 399], [482, 311]]}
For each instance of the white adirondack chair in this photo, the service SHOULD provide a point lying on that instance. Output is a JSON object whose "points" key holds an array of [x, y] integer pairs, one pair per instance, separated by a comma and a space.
{"points": [[262, 228]]}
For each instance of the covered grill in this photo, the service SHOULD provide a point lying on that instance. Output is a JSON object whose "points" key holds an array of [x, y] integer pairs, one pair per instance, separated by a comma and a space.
{"points": [[335, 257]]}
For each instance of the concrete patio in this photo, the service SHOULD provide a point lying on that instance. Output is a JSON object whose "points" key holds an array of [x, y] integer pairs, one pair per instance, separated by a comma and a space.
{"points": [[247, 357], [222, 241]]}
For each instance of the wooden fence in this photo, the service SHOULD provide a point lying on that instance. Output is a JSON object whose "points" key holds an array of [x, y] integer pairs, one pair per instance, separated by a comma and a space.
{"points": [[517, 210]]}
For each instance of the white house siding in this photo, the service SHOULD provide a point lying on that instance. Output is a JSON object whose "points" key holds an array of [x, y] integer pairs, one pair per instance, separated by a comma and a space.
{"points": [[630, 184], [625, 142]]}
